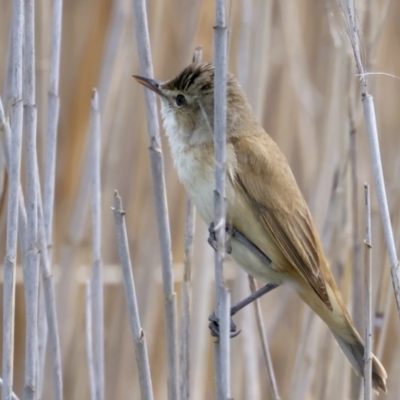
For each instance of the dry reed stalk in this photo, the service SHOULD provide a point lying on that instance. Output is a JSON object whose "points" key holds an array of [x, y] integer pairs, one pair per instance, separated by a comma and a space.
{"points": [[306, 330], [384, 327], [190, 223], [66, 293], [113, 70], [303, 89], [157, 167], [50, 302], [8, 80], [243, 71], [97, 272], [370, 119], [332, 145], [187, 300], [13, 193], [243, 68], [50, 166], [47, 277], [375, 21], [222, 346], [368, 299], [264, 342], [203, 299], [332, 227], [6, 130], [89, 340], [48, 284], [42, 341], [373, 139], [31, 270], [310, 364], [322, 376], [357, 290], [78, 224], [222, 356], [138, 335], [114, 37], [260, 65], [52, 121], [249, 356], [13, 395]]}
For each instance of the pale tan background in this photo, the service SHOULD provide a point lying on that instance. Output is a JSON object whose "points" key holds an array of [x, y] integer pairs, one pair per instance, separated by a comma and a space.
{"points": [[293, 61]]}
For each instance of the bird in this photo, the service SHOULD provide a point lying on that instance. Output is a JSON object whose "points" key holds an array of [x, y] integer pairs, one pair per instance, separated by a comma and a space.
{"points": [[263, 200]]}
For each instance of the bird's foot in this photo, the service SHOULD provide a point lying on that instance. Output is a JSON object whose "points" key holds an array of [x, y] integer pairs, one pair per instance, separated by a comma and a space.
{"points": [[212, 237], [215, 327]]}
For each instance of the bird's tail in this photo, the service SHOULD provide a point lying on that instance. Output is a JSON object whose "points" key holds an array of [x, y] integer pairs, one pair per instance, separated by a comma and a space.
{"points": [[353, 348], [349, 340]]}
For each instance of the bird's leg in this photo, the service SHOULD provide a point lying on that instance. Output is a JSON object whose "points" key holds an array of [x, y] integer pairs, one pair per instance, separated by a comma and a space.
{"points": [[253, 297], [232, 232], [250, 245], [214, 321], [212, 237]]}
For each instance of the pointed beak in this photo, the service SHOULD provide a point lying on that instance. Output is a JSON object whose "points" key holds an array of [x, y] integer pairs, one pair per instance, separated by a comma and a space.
{"points": [[151, 84]]}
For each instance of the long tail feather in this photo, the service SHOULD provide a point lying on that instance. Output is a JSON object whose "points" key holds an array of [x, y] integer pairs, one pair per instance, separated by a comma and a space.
{"points": [[353, 349]]}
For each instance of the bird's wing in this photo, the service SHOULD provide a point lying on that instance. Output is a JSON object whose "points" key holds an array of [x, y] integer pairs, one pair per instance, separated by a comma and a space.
{"points": [[265, 179]]}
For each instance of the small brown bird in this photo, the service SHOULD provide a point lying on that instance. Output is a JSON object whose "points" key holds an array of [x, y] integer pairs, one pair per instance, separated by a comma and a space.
{"points": [[264, 202]]}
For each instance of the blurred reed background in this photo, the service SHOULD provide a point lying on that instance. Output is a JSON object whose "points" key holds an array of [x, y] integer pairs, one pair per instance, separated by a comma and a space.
{"points": [[295, 63]]}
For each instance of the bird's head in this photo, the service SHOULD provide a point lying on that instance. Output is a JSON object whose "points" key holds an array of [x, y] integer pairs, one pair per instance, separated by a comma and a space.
{"points": [[187, 101]]}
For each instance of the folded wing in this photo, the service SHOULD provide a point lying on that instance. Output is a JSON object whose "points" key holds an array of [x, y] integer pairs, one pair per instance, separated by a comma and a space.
{"points": [[264, 177]]}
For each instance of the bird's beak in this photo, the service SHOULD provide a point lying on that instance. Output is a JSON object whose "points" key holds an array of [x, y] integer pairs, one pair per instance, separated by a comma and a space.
{"points": [[151, 84]]}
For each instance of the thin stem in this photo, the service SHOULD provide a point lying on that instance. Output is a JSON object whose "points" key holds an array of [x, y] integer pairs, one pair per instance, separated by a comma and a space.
{"points": [[372, 131], [42, 341], [225, 344], [139, 338], [97, 274], [299, 361], [352, 31], [52, 120], [22, 224], [13, 193], [187, 299], [8, 80], [357, 293], [186, 284], [31, 272], [250, 365], [47, 277], [264, 341], [157, 168], [13, 395], [89, 340], [49, 181], [370, 120], [222, 348], [50, 302], [368, 299]]}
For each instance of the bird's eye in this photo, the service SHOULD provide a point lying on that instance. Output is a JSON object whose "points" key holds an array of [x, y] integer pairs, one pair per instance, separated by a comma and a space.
{"points": [[180, 100]]}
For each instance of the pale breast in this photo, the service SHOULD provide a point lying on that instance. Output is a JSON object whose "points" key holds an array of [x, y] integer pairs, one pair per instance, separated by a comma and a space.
{"points": [[198, 178], [194, 165]]}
